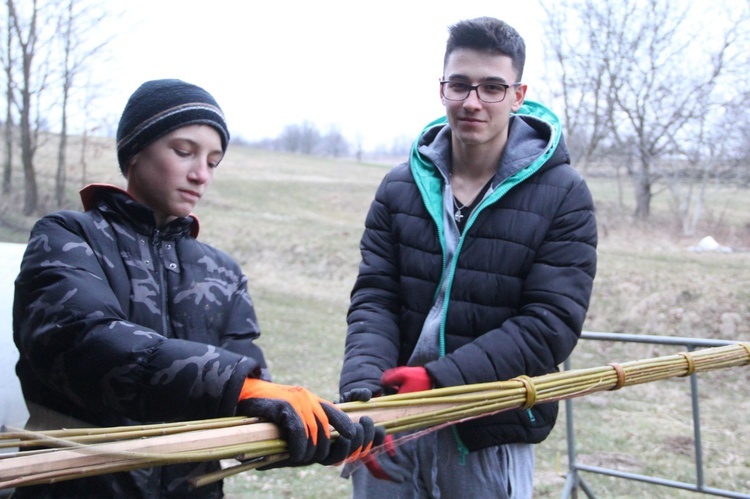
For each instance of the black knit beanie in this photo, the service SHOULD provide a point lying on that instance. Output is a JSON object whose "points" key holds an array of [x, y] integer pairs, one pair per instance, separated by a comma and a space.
{"points": [[159, 107]]}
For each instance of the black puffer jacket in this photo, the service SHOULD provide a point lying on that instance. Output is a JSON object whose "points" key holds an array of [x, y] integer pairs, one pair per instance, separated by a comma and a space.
{"points": [[517, 289], [119, 323]]}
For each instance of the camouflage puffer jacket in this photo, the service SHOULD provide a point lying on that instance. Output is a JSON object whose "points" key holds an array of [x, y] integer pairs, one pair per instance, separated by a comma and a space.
{"points": [[118, 322]]}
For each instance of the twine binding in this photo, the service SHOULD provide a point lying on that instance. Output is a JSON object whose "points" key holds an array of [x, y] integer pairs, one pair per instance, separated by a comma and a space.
{"points": [[530, 390], [690, 363], [621, 378]]}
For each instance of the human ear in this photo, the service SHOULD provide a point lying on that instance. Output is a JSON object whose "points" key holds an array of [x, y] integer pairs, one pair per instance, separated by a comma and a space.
{"points": [[131, 163], [519, 95]]}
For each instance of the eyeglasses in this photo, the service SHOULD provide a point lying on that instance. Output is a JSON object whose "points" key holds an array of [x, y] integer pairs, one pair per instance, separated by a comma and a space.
{"points": [[487, 92]]}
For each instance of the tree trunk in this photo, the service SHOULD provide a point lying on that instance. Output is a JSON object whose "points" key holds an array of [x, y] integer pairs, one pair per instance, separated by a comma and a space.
{"points": [[27, 152], [67, 83], [27, 159], [8, 160], [61, 154], [60, 177], [643, 194], [82, 160]]}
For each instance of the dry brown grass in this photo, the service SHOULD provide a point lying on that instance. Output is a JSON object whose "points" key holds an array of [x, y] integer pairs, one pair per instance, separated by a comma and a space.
{"points": [[294, 223]]}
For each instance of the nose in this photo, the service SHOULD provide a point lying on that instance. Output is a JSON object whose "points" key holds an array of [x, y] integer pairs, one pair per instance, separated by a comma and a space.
{"points": [[472, 100], [201, 172]]}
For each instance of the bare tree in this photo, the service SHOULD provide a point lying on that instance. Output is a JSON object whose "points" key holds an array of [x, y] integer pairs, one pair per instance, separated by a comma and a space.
{"points": [[30, 42], [9, 95], [77, 20], [90, 124], [67, 77], [289, 139], [735, 132], [303, 138], [309, 138], [579, 78], [25, 36], [642, 76], [49, 44], [333, 143]]}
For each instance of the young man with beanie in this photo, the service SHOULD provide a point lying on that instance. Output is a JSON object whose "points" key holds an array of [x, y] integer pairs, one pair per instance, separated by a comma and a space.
{"points": [[122, 317], [478, 260]]}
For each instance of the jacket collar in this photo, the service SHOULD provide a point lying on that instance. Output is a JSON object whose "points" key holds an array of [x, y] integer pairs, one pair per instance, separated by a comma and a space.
{"points": [[114, 199], [534, 142], [528, 138]]}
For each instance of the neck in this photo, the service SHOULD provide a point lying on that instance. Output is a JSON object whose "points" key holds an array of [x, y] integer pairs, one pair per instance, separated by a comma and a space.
{"points": [[471, 169], [475, 161]]}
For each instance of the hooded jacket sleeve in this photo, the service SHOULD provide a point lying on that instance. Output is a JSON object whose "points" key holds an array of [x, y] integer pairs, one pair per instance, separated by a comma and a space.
{"points": [[373, 338], [78, 343]]}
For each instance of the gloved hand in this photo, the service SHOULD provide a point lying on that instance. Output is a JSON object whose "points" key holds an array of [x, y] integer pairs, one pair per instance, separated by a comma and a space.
{"points": [[356, 395], [350, 449], [373, 435], [373, 466], [345, 449], [385, 465], [407, 379], [302, 417]]}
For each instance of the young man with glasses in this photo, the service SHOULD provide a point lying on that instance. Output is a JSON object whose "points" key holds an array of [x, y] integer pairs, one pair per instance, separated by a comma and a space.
{"points": [[478, 259]]}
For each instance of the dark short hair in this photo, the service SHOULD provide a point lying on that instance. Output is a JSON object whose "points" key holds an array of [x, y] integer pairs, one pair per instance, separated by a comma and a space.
{"points": [[489, 35]]}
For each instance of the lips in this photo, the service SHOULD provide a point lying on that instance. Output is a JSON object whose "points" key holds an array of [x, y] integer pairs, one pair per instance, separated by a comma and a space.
{"points": [[470, 121], [192, 195]]}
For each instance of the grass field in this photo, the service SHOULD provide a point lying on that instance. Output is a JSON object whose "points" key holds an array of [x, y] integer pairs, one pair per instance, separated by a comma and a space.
{"points": [[294, 224]]}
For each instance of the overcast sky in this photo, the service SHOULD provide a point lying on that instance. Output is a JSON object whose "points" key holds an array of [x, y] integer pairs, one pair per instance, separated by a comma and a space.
{"points": [[369, 68]]}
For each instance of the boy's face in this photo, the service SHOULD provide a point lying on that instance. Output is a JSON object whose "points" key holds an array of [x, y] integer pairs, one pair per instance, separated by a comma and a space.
{"points": [[171, 174], [474, 122]]}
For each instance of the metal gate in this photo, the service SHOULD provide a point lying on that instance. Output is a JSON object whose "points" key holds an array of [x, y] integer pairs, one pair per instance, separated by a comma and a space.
{"points": [[575, 481]]}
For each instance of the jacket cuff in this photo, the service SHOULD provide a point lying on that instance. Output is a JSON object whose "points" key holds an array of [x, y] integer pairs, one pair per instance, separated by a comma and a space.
{"points": [[246, 368]]}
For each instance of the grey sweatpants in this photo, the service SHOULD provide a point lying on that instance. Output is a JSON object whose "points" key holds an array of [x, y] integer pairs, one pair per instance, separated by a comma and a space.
{"points": [[430, 467]]}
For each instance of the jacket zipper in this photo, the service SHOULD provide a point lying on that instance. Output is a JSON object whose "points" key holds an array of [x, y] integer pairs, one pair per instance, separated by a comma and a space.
{"points": [[504, 187], [159, 269]]}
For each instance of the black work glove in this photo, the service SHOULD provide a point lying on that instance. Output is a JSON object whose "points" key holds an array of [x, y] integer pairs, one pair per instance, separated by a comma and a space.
{"points": [[356, 395], [368, 437]]}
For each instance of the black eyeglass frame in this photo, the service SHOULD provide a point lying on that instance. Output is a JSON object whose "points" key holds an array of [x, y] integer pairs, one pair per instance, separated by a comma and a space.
{"points": [[506, 86]]}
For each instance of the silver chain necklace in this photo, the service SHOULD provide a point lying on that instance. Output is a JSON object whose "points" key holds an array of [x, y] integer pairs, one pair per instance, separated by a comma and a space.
{"points": [[457, 215]]}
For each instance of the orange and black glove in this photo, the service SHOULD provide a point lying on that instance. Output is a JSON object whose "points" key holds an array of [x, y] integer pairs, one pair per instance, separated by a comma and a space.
{"points": [[302, 417], [368, 437]]}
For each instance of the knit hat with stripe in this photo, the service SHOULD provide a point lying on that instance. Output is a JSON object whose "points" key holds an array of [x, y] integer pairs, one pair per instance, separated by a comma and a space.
{"points": [[159, 107]]}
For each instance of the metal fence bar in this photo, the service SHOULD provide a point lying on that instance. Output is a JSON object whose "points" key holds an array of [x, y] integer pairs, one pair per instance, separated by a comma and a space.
{"points": [[574, 481], [696, 429], [660, 481]]}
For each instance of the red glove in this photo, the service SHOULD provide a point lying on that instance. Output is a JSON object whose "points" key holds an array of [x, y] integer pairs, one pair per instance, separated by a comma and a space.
{"points": [[302, 416], [372, 464], [407, 379]]}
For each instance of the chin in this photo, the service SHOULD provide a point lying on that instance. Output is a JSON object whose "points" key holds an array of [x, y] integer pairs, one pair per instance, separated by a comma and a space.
{"points": [[471, 138]]}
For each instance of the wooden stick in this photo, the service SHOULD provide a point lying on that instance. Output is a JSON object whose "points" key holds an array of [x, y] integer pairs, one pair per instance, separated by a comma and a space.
{"points": [[232, 437]]}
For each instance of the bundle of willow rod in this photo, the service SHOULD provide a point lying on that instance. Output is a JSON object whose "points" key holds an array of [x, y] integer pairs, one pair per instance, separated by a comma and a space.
{"points": [[75, 453]]}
